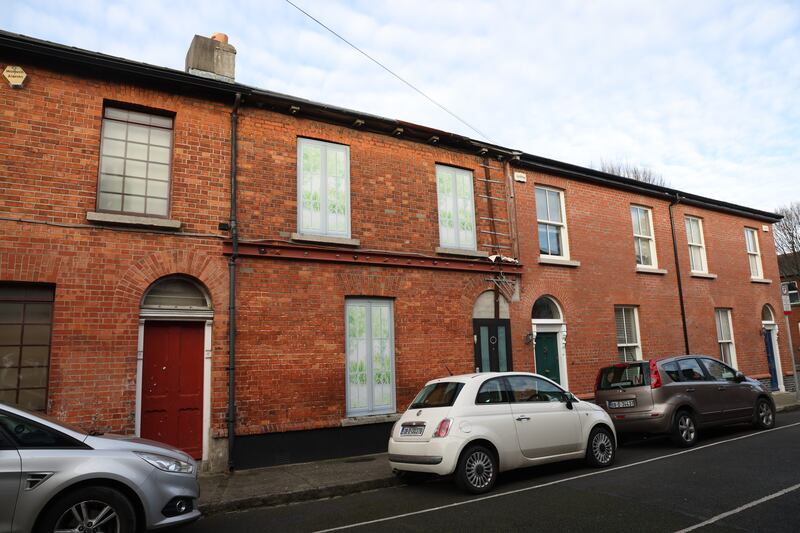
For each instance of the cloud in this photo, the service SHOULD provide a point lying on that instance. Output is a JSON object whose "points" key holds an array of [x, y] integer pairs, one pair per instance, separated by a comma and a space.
{"points": [[704, 93]]}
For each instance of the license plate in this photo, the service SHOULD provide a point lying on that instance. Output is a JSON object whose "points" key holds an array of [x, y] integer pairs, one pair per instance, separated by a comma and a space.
{"points": [[411, 431], [621, 404]]}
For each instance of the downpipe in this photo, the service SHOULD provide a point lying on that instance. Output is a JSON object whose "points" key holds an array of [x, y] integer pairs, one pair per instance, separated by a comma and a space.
{"points": [[672, 204], [234, 233]]}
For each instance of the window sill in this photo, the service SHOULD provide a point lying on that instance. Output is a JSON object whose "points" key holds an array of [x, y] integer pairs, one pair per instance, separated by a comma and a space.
{"points": [[704, 275], [324, 239], [558, 262], [458, 251], [130, 220], [650, 270], [760, 280], [370, 419]]}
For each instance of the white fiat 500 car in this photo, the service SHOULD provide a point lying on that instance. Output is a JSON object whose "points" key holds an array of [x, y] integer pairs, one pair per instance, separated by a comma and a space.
{"points": [[477, 425]]}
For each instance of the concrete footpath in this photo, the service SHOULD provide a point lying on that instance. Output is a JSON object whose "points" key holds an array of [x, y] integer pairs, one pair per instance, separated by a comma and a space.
{"points": [[277, 485]]}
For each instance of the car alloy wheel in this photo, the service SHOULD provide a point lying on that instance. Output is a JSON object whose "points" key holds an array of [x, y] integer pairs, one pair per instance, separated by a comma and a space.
{"points": [[765, 415], [92, 509], [602, 448], [477, 470], [89, 517], [685, 432]]}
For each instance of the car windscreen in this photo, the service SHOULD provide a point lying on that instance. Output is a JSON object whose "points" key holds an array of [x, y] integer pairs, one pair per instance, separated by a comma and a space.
{"points": [[623, 375], [442, 394]]}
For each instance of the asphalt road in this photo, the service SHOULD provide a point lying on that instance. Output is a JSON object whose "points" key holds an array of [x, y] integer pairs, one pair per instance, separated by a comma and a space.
{"points": [[736, 478]]}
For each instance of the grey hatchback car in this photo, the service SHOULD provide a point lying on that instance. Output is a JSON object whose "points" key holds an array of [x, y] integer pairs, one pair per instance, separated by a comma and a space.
{"points": [[57, 478], [679, 395]]}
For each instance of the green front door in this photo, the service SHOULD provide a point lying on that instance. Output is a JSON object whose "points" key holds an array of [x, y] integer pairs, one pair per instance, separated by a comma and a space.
{"points": [[547, 356]]}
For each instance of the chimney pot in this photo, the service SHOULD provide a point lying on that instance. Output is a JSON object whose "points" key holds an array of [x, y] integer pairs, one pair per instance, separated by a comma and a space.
{"points": [[221, 37]]}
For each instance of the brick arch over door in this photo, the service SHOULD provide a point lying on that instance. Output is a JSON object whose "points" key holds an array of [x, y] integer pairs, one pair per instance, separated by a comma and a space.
{"points": [[210, 270]]}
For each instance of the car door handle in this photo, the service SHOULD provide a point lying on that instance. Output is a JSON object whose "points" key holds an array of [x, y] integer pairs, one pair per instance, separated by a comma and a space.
{"points": [[522, 418], [722, 387], [690, 389]]}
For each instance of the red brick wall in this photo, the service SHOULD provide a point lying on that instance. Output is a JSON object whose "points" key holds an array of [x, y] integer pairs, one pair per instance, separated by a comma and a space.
{"points": [[600, 237], [48, 174], [291, 371]]}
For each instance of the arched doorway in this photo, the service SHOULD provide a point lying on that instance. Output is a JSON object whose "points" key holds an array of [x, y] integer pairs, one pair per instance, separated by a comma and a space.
{"points": [[770, 331], [491, 330], [549, 332], [174, 365]]}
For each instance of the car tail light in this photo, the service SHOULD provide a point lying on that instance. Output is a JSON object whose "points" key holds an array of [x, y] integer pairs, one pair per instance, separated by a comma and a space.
{"points": [[442, 429], [655, 377]]}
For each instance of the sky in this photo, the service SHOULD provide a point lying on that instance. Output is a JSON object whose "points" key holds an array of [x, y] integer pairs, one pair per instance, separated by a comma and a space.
{"points": [[704, 93]]}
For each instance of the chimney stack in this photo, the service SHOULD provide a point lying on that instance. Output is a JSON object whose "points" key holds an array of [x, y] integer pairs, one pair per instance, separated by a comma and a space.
{"points": [[211, 57]]}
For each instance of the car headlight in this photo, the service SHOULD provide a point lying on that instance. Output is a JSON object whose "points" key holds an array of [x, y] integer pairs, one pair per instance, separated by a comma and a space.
{"points": [[167, 464]]}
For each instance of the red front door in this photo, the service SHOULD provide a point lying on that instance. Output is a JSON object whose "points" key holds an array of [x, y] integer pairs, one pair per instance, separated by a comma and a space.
{"points": [[172, 385]]}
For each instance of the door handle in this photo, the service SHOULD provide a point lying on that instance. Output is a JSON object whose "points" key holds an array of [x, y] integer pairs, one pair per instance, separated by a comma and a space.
{"points": [[690, 389], [722, 388], [522, 418]]}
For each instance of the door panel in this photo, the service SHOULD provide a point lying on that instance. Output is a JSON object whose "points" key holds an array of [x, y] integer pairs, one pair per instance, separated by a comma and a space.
{"points": [[9, 485], [547, 356], [545, 425], [492, 338], [773, 373], [707, 400], [172, 385]]}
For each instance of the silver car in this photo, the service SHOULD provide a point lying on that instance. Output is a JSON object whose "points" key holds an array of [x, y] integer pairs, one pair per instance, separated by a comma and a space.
{"points": [[58, 478]]}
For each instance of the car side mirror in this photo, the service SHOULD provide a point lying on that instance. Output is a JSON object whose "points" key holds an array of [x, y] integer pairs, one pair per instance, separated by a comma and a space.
{"points": [[569, 399], [739, 377]]}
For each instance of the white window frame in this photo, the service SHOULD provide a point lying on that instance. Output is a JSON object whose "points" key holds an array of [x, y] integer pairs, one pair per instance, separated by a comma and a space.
{"points": [[637, 346], [563, 233], [793, 292], [456, 244], [325, 148], [719, 313], [651, 239], [701, 245], [370, 409], [753, 253]]}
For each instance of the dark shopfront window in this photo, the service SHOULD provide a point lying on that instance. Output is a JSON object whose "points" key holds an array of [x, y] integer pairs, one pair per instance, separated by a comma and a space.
{"points": [[26, 318]]}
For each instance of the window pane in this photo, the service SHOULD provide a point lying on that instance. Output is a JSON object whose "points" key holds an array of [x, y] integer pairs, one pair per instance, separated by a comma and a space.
{"points": [[139, 134], [36, 335], [541, 204], [114, 130], [690, 370], [136, 169], [159, 189], [134, 204], [114, 148], [755, 267], [630, 325], [110, 183], [357, 356], [136, 151], [10, 312], [35, 355], [554, 239], [619, 318], [175, 292], [9, 356], [110, 202], [135, 186], [33, 377], [157, 120], [554, 206], [160, 137], [501, 348], [112, 165], [10, 334], [8, 378], [637, 230], [545, 308], [158, 171], [159, 154], [544, 246], [112, 112], [644, 222], [33, 399], [646, 256], [38, 313], [157, 206]]}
